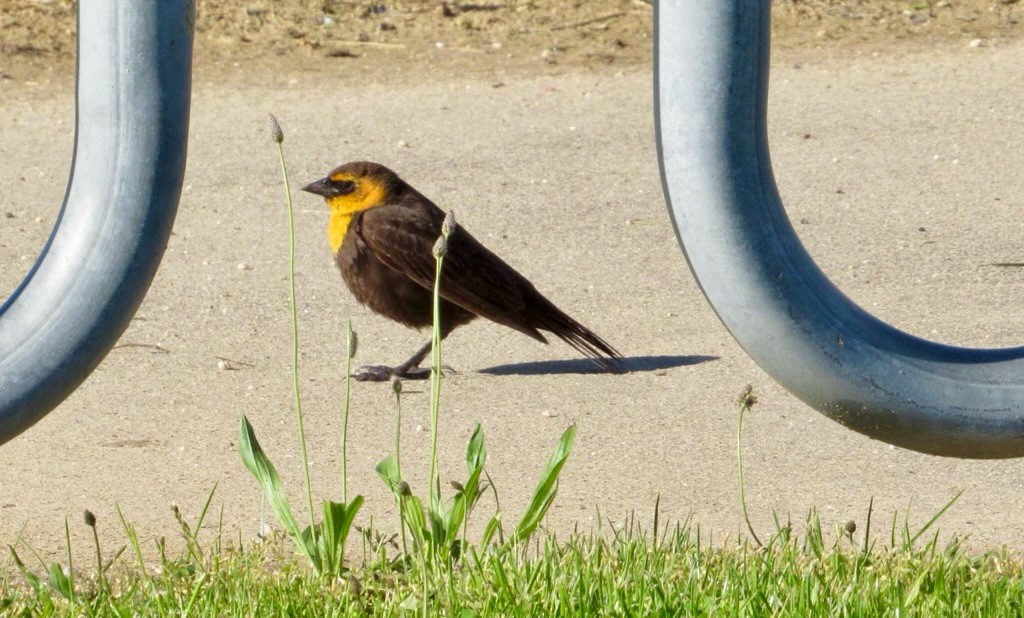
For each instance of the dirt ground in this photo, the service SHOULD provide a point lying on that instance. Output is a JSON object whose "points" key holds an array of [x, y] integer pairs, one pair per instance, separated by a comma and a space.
{"points": [[895, 131], [400, 37]]}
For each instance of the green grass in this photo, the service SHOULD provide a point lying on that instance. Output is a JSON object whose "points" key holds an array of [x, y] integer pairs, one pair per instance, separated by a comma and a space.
{"points": [[629, 573]]}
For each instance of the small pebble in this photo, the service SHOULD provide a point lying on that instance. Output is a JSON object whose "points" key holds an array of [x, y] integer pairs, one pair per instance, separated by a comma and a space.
{"points": [[223, 365], [244, 266]]}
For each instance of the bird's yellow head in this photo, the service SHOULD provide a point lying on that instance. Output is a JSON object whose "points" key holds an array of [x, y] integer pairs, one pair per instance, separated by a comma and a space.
{"points": [[352, 188]]}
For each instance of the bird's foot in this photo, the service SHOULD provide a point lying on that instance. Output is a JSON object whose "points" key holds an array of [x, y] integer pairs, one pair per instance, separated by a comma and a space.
{"points": [[383, 373], [374, 373]]}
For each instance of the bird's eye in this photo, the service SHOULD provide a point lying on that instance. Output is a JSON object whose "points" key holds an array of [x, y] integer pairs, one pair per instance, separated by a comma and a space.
{"points": [[343, 187]]}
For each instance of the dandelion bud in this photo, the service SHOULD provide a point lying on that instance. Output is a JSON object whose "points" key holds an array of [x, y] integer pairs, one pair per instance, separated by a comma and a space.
{"points": [[850, 527], [90, 519], [404, 490], [440, 247], [351, 343], [747, 398], [449, 224], [276, 133], [396, 385]]}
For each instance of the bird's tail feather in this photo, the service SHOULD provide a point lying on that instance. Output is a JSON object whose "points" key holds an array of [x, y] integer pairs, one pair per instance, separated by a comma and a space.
{"points": [[581, 338]]}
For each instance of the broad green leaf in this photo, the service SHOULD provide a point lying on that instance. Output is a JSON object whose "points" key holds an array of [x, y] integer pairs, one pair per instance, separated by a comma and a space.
{"points": [[60, 582], [309, 542], [438, 530], [456, 515], [544, 495], [260, 466], [416, 518], [387, 469], [476, 456], [337, 523]]}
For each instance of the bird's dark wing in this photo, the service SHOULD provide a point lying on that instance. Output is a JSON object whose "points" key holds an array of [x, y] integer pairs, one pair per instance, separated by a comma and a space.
{"points": [[403, 237]]}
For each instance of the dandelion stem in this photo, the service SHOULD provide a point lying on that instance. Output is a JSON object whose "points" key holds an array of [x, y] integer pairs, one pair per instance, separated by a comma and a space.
{"points": [[349, 353], [448, 227], [435, 381], [398, 426], [279, 138], [747, 401]]}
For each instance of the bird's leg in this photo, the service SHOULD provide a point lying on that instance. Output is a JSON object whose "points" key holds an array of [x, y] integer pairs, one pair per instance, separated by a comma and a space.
{"points": [[409, 370]]}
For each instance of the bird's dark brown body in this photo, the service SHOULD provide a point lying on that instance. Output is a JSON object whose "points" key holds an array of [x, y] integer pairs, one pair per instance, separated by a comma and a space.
{"points": [[384, 232], [387, 291]]}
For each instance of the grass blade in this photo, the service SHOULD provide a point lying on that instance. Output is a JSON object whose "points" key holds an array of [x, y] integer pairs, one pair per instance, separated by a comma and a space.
{"points": [[934, 518]]}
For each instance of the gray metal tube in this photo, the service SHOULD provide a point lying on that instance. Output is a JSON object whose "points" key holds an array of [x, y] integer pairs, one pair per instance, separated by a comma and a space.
{"points": [[711, 99], [133, 89]]}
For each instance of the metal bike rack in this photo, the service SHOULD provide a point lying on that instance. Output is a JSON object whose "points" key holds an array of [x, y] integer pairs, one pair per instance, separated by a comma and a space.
{"points": [[711, 91], [133, 90]]}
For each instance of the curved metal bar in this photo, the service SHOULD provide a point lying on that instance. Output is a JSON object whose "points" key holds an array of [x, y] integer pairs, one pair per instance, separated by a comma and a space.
{"points": [[133, 89], [711, 99]]}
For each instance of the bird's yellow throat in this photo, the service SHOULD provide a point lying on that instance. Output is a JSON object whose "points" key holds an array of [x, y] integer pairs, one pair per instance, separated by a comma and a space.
{"points": [[336, 228], [366, 195]]}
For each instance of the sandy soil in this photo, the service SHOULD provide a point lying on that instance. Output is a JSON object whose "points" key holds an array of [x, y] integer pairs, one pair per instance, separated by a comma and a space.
{"points": [[396, 38], [897, 148]]}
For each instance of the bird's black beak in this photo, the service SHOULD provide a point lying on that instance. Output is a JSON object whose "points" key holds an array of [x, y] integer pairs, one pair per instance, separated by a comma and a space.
{"points": [[319, 187]]}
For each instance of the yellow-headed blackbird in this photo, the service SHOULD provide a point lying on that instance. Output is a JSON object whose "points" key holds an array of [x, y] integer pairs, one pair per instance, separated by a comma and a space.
{"points": [[382, 233]]}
